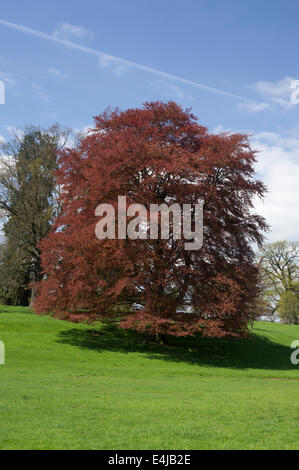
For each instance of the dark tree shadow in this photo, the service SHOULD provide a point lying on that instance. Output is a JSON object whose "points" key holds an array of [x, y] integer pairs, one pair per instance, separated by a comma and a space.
{"points": [[254, 352]]}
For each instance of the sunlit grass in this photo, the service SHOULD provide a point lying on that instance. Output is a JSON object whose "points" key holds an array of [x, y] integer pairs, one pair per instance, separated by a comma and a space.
{"points": [[67, 386]]}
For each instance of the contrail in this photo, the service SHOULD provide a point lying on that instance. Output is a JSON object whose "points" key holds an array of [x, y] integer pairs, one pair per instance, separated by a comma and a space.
{"points": [[108, 57]]}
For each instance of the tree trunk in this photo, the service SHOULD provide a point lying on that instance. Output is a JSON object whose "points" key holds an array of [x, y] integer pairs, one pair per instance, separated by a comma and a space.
{"points": [[37, 276], [33, 295]]}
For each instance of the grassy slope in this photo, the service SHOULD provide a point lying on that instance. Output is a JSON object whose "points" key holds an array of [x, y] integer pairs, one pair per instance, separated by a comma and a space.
{"points": [[63, 387]]}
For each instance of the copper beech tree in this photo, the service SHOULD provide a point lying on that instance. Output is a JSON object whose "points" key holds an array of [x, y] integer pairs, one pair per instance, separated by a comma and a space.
{"points": [[153, 155]]}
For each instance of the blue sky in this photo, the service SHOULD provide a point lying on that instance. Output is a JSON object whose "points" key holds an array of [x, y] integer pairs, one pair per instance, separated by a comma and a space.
{"points": [[233, 61]]}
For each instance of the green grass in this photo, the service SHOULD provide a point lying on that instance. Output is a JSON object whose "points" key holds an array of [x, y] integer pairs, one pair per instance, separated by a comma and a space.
{"points": [[65, 387]]}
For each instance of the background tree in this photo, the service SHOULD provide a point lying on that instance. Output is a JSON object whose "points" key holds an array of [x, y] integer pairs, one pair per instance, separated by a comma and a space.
{"points": [[280, 271], [157, 154], [15, 269], [260, 304], [288, 308], [28, 203]]}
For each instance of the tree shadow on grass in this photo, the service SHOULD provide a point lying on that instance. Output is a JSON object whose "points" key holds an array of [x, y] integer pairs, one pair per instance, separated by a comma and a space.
{"points": [[254, 352]]}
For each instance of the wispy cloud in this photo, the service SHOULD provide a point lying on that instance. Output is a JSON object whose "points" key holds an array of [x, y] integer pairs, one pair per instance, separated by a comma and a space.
{"points": [[278, 92], [7, 78], [118, 60], [69, 31], [172, 90], [118, 69], [40, 93], [14, 131], [56, 72], [253, 106]]}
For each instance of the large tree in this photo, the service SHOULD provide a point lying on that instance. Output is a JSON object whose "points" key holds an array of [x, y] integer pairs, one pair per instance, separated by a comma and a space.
{"points": [[15, 273], [279, 268], [28, 194], [153, 155], [288, 308]]}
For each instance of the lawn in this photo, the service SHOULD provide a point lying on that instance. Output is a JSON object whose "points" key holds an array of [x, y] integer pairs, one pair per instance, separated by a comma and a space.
{"points": [[69, 386]]}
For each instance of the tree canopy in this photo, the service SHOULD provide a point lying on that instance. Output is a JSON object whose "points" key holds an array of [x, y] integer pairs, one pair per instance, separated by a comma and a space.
{"points": [[28, 196], [153, 155], [279, 269]]}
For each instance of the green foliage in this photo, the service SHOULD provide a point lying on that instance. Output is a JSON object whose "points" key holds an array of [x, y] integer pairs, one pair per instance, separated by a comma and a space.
{"points": [[28, 205], [279, 274], [15, 269], [289, 308]]}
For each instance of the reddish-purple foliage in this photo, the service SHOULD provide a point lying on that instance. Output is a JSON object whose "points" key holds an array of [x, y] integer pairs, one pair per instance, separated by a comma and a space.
{"points": [[155, 154]]}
